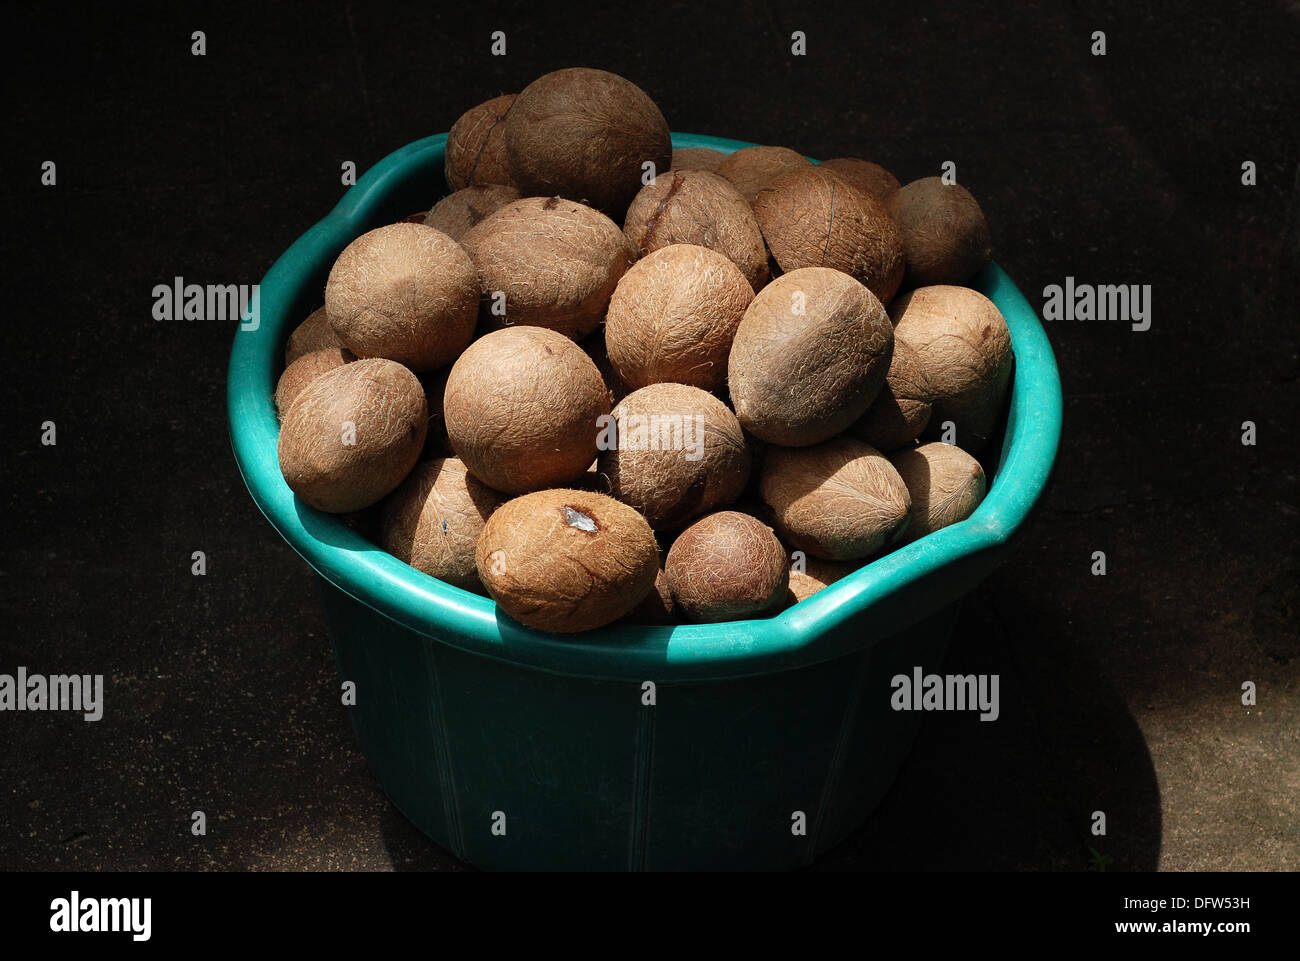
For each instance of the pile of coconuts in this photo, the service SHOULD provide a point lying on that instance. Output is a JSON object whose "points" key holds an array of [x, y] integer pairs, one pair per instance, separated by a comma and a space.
{"points": [[605, 380]]}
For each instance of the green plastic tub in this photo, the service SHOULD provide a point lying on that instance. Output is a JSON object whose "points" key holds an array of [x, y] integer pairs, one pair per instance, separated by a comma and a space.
{"points": [[767, 741]]}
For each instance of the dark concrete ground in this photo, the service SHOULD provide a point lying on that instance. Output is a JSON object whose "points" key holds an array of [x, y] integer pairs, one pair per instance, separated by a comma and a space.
{"points": [[1121, 693]]}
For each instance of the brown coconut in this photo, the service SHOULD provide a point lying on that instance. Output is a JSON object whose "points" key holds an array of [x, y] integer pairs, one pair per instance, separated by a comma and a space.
{"points": [[812, 217], [547, 262], [812, 574], [314, 333], [702, 208], [945, 482], [698, 158], [522, 407], [585, 134], [404, 292], [863, 174], [965, 349], [840, 500], [673, 452], [750, 169], [673, 317], [901, 411], [433, 520], [809, 357], [353, 434], [726, 566], [306, 369], [476, 145], [457, 212], [944, 232], [567, 560]]}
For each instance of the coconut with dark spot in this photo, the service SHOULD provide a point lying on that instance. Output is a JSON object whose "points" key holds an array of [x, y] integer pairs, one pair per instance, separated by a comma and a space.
{"points": [[964, 347], [944, 232], [901, 411], [673, 452], [673, 317], [353, 434], [809, 357], [522, 408], [701, 208], [726, 566], [476, 145], [840, 500], [812, 217], [434, 518], [565, 561], [587, 135], [547, 262], [750, 169], [457, 212], [404, 292], [946, 485]]}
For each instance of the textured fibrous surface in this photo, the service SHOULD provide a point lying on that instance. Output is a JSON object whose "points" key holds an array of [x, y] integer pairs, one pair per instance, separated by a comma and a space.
{"points": [[677, 452], [314, 333], [555, 263], [434, 518], [965, 349], [809, 357], [814, 218], [585, 134], [944, 232], [476, 145], [863, 174], [404, 292], [816, 574], [673, 317], [702, 208], [901, 410], [522, 408], [567, 560], [457, 212], [353, 434], [945, 482], [840, 500], [697, 158], [306, 369], [751, 168], [726, 566]]}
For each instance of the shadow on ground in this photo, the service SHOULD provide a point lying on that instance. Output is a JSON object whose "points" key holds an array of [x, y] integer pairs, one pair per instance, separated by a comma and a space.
{"points": [[1017, 793]]}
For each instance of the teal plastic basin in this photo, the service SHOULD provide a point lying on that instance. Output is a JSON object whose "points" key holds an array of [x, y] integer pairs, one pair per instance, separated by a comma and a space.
{"points": [[768, 740]]}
